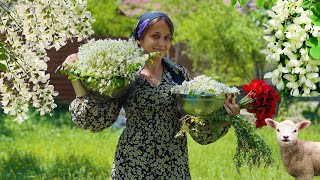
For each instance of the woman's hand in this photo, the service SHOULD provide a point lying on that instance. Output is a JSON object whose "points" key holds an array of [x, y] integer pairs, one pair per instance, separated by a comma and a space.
{"points": [[71, 58], [66, 66], [231, 108], [77, 85]]}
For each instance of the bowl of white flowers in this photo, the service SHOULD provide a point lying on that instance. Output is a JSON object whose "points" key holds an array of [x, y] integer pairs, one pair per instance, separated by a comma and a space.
{"points": [[202, 95], [107, 66]]}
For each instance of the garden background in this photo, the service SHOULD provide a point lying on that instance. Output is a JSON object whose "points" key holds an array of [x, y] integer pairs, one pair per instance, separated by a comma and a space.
{"points": [[209, 39]]}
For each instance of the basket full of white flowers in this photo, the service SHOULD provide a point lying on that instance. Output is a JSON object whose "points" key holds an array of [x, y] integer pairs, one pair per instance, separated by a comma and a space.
{"points": [[107, 66], [203, 95]]}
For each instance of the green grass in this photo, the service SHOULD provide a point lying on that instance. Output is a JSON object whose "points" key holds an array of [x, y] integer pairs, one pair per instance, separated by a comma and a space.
{"points": [[53, 148]]}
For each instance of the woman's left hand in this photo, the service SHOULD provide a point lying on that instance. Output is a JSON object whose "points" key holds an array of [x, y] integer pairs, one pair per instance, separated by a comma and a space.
{"points": [[231, 108]]}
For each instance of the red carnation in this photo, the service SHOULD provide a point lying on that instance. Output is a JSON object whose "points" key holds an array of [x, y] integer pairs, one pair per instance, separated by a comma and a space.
{"points": [[261, 100]]}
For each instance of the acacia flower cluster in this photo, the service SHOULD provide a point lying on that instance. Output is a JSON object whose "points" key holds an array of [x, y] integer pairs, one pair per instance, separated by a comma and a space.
{"points": [[27, 30], [105, 66], [293, 37], [203, 85]]}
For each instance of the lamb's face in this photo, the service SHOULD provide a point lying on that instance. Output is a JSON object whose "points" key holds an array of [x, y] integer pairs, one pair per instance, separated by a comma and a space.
{"points": [[287, 133]]}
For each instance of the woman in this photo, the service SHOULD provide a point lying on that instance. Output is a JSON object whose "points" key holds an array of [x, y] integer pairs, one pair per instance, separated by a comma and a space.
{"points": [[147, 148]]}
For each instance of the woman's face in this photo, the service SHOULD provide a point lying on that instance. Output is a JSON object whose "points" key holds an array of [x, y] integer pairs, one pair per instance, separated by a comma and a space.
{"points": [[157, 39]]}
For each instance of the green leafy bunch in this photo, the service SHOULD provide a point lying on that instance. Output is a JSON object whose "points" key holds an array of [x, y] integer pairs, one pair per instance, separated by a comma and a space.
{"points": [[91, 82], [251, 149]]}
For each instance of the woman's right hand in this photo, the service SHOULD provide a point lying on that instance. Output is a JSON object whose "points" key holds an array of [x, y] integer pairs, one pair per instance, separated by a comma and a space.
{"points": [[66, 66], [70, 59], [77, 85]]}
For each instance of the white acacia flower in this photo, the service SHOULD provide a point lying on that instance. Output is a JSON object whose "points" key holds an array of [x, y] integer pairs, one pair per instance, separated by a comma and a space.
{"points": [[30, 29], [316, 31], [276, 78], [287, 32], [203, 85]]}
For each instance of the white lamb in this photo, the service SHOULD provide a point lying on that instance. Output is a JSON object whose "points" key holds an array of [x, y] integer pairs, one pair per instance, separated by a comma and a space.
{"points": [[300, 158]]}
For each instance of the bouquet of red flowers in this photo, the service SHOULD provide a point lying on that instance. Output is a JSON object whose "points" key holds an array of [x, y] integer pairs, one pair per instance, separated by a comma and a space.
{"points": [[261, 100]]}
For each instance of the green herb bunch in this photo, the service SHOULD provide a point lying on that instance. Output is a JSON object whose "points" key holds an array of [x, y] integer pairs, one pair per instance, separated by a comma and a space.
{"points": [[251, 148]]}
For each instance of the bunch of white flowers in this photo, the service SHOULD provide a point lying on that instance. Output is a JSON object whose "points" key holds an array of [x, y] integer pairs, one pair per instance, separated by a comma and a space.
{"points": [[27, 29], [203, 85], [293, 37], [107, 65]]}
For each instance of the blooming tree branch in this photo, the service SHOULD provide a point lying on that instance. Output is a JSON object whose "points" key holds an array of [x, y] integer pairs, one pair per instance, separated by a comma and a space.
{"points": [[27, 30], [293, 37]]}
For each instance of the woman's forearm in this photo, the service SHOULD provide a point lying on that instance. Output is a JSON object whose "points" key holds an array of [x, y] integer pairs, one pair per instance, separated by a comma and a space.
{"points": [[79, 88]]}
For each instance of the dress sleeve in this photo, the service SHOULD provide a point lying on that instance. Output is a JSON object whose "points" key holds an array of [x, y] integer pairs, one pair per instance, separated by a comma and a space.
{"points": [[206, 133], [93, 112]]}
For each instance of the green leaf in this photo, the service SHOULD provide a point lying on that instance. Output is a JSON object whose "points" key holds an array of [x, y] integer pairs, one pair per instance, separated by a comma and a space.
{"points": [[242, 2], [3, 56], [73, 77], [150, 61], [315, 20], [3, 50], [212, 91], [317, 7], [315, 52], [117, 82], [232, 3], [306, 4], [260, 3], [3, 67], [312, 42], [89, 79]]}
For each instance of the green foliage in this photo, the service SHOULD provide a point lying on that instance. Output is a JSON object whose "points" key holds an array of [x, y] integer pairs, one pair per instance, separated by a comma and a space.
{"points": [[219, 41], [109, 19], [315, 8], [51, 147], [3, 67], [260, 15], [299, 107], [315, 52], [67, 70], [251, 149], [23, 164], [259, 3]]}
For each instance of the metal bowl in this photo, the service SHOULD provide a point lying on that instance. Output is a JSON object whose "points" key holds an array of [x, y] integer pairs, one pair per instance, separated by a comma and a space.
{"points": [[202, 104], [114, 93]]}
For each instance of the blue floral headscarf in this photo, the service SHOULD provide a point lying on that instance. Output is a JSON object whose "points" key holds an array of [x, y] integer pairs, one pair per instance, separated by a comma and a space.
{"points": [[145, 19]]}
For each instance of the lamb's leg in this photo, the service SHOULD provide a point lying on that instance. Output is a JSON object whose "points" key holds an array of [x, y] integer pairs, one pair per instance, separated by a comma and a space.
{"points": [[304, 177]]}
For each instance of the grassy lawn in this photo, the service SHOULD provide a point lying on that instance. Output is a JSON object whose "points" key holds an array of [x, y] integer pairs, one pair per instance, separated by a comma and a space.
{"points": [[54, 148]]}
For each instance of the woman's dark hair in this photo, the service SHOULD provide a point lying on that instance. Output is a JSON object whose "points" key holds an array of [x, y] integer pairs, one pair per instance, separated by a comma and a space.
{"points": [[161, 18], [146, 20]]}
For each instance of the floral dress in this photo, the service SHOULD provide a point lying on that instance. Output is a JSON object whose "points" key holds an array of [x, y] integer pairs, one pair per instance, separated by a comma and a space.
{"points": [[147, 148]]}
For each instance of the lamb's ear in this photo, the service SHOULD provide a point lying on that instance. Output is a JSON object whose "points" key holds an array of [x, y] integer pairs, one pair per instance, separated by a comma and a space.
{"points": [[271, 122], [303, 124]]}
